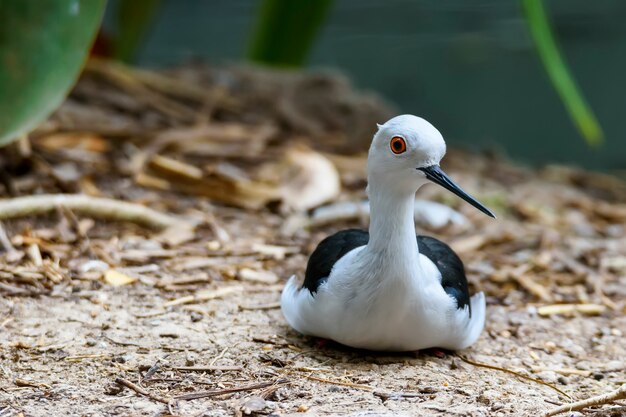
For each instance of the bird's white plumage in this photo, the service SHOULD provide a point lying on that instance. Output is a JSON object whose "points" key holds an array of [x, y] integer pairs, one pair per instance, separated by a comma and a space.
{"points": [[386, 295]]}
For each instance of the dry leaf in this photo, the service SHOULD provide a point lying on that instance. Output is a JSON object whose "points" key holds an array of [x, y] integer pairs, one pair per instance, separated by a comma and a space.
{"points": [[241, 193], [219, 139], [86, 141], [311, 180], [175, 236], [205, 295], [265, 277], [589, 309], [117, 278], [173, 167], [352, 169], [276, 252]]}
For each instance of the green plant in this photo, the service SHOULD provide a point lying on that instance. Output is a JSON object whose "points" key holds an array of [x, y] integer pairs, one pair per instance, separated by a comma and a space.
{"points": [[134, 18], [555, 66], [43, 45], [285, 31]]}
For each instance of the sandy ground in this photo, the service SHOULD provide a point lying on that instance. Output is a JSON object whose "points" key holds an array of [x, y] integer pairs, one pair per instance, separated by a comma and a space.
{"points": [[61, 353], [88, 340]]}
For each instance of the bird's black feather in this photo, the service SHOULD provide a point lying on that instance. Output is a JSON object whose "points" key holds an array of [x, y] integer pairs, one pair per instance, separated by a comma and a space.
{"points": [[453, 279], [334, 247], [328, 252]]}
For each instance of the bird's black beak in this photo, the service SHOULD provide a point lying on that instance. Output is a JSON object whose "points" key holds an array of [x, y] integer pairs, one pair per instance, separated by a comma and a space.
{"points": [[436, 175]]}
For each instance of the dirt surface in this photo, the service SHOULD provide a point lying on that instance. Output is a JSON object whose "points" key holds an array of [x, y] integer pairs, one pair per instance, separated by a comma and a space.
{"points": [[192, 311]]}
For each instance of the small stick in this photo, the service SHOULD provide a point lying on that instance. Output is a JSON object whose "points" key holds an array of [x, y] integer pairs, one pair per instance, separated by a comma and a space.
{"points": [[11, 289], [344, 384], [220, 356], [5, 242], [207, 368], [269, 306], [562, 371], [590, 309], [269, 342], [121, 343], [216, 392], [497, 368], [533, 287], [105, 208], [204, 295], [26, 383], [618, 394], [139, 390], [387, 395]]}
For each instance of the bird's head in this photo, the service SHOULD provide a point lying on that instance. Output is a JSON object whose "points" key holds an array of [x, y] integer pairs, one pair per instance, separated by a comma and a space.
{"points": [[405, 154]]}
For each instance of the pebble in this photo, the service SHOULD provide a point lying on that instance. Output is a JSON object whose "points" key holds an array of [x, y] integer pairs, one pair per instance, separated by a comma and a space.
{"points": [[113, 389], [190, 359], [497, 406], [548, 376], [281, 394], [93, 265], [489, 397], [253, 405], [550, 346], [614, 365]]}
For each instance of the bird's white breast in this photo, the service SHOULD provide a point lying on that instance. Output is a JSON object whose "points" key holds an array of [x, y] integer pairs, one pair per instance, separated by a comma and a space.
{"points": [[375, 304]]}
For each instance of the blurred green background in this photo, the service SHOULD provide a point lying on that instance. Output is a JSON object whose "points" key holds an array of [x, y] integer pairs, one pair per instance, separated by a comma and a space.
{"points": [[488, 74], [468, 66]]}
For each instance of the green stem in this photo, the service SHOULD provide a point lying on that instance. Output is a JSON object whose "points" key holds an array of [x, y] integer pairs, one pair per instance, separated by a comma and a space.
{"points": [[285, 31], [557, 70]]}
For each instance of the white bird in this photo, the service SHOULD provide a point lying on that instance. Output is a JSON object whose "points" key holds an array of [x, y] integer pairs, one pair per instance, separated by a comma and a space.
{"points": [[389, 289]]}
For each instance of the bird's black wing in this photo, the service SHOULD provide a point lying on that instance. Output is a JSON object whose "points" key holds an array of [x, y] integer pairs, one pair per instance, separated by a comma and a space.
{"points": [[328, 252], [453, 279], [331, 249]]}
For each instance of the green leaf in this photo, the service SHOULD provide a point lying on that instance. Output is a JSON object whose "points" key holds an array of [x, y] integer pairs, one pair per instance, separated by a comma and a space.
{"points": [[559, 74], [43, 45], [134, 18], [285, 31]]}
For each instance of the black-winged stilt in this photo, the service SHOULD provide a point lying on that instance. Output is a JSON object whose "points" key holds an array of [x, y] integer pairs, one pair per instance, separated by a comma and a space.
{"points": [[390, 289]]}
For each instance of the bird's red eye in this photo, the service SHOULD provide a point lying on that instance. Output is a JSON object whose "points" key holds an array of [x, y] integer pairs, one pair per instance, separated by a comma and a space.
{"points": [[398, 145]]}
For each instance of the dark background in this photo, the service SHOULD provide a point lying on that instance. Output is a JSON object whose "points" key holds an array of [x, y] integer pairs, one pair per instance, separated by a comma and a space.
{"points": [[468, 66]]}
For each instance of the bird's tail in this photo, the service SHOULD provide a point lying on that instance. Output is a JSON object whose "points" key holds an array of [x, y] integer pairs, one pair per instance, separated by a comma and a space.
{"points": [[288, 302], [477, 321]]}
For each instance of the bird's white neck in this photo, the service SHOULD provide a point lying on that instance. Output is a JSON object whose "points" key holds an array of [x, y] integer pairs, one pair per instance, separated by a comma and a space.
{"points": [[392, 225]]}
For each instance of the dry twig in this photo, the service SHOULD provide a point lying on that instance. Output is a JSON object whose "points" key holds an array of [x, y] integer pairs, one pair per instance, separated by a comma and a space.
{"points": [[589, 309], [11, 289], [208, 368], [508, 371], [618, 394], [269, 306], [344, 384], [104, 208], [522, 277], [391, 395], [216, 392], [5, 242], [139, 390], [204, 295]]}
